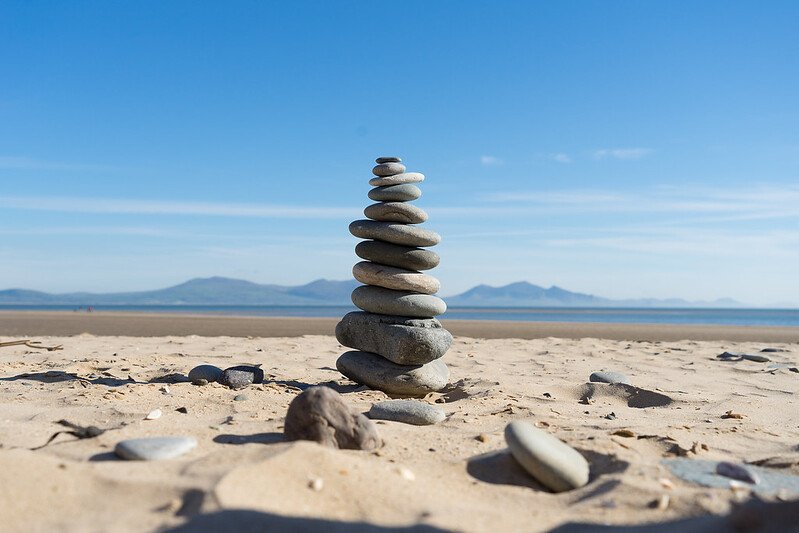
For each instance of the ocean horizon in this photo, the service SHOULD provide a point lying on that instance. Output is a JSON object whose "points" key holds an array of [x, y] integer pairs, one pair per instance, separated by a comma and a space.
{"points": [[626, 315]]}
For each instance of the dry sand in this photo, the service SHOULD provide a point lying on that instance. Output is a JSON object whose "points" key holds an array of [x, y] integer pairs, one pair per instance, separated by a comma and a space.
{"points": [[455, 475]]}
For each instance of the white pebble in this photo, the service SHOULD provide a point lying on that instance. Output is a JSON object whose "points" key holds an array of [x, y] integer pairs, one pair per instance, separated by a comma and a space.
{"points": [[316, 484], [153, 415]]}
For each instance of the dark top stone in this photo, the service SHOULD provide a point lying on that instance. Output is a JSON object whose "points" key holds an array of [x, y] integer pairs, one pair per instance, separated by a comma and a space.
{"points": [[381, 160]]}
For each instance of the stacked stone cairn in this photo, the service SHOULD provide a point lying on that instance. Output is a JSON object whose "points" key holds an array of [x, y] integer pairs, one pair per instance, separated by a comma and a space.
{"points": [[398, 341]]}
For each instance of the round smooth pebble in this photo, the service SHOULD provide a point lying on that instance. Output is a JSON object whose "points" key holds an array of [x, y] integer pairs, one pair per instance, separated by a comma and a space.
{"points": [[379, 373], [609, 377], [381, 160], [240, 398], [155, 448], [395, 212], [209, 373], [551, 461], [395, 193], [407, 412], [395, 278], [399, 303], [388, 169], [320, 414], [238, 377], [396, 255], [394, 233], [397, 179], [402, 340]]}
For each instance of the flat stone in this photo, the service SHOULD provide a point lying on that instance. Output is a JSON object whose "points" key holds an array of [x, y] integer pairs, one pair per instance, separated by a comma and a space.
{"points": [[378, 373], [388, 169], [395, 193], [395, 278], [402, 340], [238, 377], [207, 373], [756, 358], [241, 398], [394, 233], [401, 212], [381, 160], [705, 473], [609, 377], [551, 461], [397, 255], [407, 412], [321, 415], [774, 350], [154, 448], [399, 303], [397, 179], [736, 471]]}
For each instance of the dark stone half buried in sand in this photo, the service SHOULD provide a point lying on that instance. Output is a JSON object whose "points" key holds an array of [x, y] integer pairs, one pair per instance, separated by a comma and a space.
{"points": [[378, 373], [399, 279], [402, 340], [401, 212], [396, 255], [321, 415], [399, 303], [402, 234], [238, 377], [397, 179], [388, 169], [206, 373], [395, 193]]}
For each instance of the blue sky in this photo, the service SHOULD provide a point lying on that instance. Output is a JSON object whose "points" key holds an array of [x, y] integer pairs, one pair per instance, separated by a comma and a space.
{"points": [[625, 149]]}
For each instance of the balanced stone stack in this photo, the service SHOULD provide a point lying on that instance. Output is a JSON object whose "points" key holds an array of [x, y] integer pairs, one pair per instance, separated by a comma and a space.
{"points": [[397, 339]]}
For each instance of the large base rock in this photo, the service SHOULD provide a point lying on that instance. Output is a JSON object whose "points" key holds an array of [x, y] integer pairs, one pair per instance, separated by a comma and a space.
{"points": [[378, 373]]}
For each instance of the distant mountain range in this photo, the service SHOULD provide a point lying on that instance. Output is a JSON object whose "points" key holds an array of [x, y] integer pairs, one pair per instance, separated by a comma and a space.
{"points": [[226, 291]]}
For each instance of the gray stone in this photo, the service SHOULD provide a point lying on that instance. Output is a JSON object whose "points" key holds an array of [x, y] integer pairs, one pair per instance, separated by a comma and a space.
{"points": [[388, 169], [241, 398], [154, 448], [756, 358], [400, 303], [408, 412], [736, 471], [381, 160], [774, 350], [321, 415], [378, 373], [396, 255], [609, 377], [394, 233], [551, 461], [402, 340], [705, 473], [395, 278], [397, 179], [207, 373], [401, 212], [395, 193], [238, 377]]}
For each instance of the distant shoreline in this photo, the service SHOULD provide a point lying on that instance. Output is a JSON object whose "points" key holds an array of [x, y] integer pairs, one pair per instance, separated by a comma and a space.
{"points": [[62, 323]]}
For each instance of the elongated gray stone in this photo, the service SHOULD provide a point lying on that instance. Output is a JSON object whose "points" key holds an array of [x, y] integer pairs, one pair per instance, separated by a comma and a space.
{"points": [[395, 278], [154, 448], [397, 179], [408, 412], [551, 461], [378, 373], [395, 193], [396, 255], [394, 233], [402, 340], [388, 169], [381, 160], [401, 212], [400, 303], [609, 377]]}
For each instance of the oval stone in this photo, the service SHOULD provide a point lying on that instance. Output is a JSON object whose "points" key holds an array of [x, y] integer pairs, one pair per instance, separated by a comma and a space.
{"points": [[151, 449], [400, 303], [209, 373], [397, 179], [388, 168], [395, 193], [402, 340], [395, 212], [551, 461], [609, 377], [396, 255], [395, 278], [394, 233], [378, 373], [381, 160], [238, 377], [408, 412]]}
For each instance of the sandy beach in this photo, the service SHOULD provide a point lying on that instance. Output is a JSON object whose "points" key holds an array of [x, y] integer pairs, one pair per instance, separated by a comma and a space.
{"points": [[457, 475]]}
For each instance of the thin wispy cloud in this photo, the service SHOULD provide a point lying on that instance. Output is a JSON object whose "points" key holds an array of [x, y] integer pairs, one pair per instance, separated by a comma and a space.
{"points": [[561, 158], [621, 153], [490, 161]]}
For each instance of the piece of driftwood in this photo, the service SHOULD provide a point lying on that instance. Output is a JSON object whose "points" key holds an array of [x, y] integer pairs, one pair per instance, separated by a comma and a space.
{"points": [[31, 344]]}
